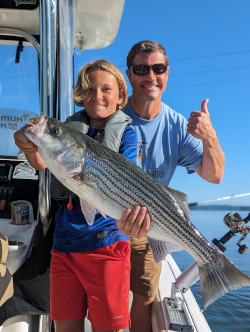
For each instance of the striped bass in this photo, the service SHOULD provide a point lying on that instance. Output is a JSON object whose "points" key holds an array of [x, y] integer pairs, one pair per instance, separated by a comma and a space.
{"points": [[108, 182]]}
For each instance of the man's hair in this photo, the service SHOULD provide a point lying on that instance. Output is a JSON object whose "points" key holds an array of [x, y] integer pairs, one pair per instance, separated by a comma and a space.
{"points": [[145, 46], [81, 89]]}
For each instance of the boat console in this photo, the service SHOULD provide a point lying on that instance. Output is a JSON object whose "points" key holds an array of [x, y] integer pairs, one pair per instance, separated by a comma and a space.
{"points": [[18, 224]]}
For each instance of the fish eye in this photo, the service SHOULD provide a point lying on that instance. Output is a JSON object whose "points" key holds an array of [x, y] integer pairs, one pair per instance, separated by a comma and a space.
{"points": [[55, 131]]}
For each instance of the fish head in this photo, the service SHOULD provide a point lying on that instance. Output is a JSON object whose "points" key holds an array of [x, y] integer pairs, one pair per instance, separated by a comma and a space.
{"points": [[59, 146]]}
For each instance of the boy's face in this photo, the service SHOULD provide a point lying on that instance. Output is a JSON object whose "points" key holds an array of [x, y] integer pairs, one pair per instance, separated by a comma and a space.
{"points": [[103, 95]]}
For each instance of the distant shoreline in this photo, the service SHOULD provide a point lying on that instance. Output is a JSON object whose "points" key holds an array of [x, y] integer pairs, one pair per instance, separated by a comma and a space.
{"points": [[228, 208]]}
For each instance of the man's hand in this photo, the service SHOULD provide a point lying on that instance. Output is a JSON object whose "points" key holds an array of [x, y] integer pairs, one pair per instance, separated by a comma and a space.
{"points": [[23, 142], [135, 223], [199, 124]]}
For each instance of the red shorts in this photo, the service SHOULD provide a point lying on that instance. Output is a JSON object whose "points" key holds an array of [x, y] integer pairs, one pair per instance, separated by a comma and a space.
{"points": [[97, 280]]}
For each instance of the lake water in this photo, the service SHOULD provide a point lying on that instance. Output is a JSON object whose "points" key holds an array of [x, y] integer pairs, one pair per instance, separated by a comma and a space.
{"points": [[232, 311]]}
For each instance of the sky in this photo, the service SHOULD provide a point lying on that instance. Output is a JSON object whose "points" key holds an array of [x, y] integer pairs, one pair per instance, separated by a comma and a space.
{"points": [[208, 45]]}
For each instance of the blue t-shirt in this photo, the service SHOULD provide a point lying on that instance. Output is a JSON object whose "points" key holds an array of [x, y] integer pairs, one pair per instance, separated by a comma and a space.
{"points": [[72, 233], [164, 144]]}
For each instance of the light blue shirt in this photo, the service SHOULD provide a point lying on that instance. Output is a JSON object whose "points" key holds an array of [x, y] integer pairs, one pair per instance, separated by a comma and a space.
{"points": [[164, 144]]}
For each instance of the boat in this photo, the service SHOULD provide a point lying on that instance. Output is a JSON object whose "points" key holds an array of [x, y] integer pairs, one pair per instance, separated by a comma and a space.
{"points": [[37, 41]]}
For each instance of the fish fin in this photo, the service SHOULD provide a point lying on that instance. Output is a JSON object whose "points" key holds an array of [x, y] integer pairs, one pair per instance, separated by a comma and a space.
{"points": [[219, 276], [103, 214], [89, 211], [80, 178], [64, 173], [161, 249], [181, 199]]}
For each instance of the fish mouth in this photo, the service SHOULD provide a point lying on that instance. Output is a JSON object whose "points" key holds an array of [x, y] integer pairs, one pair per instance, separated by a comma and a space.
{"points": [[32, 131]]}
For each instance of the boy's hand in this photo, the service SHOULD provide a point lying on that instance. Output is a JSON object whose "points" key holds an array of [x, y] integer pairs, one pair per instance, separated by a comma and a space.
{"points": [[23, 142], [135, 223]]}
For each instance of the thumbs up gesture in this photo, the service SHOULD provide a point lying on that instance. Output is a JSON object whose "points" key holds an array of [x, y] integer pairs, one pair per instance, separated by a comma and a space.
{"points": [[199, 124]]}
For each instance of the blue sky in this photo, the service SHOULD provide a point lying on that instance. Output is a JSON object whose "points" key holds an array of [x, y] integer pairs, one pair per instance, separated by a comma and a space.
{"points": [[208, 45]]}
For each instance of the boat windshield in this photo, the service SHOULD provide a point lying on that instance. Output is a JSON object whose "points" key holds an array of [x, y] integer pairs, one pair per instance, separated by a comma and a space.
{"points": [[19, 93]]}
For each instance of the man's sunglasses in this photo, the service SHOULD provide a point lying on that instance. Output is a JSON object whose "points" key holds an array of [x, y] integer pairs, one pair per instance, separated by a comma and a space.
{"points": [[142, 70]]}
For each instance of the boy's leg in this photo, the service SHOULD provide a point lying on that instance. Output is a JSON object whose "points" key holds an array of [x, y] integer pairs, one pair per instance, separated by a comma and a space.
{"points": [[94, 330], [106, 278], [76, 326], [68, 299], [69, 325], [144, 282]]}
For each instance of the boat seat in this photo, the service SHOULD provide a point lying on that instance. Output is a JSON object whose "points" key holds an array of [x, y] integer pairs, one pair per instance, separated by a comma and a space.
{"points": [[6, 280]]}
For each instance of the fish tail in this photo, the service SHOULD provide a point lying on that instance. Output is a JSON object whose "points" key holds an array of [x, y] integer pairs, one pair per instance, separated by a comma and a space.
{"points": [[219, 276]]}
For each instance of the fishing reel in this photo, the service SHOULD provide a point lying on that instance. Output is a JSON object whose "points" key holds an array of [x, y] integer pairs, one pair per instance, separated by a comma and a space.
{"points": [[236, 224]]}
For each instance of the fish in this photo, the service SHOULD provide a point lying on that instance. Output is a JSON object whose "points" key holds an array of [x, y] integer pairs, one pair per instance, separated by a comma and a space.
{"points": [[107, 182]]}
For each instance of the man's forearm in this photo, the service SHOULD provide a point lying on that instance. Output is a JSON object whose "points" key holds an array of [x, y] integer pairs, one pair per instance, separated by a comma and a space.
{"points": [[200, 126], [212, 167]]}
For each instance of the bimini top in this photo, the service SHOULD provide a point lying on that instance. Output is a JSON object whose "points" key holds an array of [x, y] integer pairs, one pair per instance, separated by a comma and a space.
{"points": [[96, 21]]}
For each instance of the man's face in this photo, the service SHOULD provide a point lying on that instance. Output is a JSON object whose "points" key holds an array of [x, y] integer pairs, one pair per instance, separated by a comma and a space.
{"points": [[151, 86]]}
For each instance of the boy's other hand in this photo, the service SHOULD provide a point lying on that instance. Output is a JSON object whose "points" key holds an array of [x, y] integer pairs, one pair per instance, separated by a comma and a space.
{"points": [[135, 223]]}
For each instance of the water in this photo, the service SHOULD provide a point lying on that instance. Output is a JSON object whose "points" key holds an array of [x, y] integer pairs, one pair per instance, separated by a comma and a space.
{"points": [[231, 312]]}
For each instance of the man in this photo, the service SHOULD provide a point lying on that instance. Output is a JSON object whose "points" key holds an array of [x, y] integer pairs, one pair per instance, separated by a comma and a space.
{"points": [[165, 141]]}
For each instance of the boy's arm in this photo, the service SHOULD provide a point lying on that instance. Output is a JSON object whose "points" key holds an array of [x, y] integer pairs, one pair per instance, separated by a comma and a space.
{"points": [[29, 148], [135, 223]]}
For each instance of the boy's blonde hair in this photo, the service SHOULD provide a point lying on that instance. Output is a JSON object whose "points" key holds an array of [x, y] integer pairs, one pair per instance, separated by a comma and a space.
{"points": [[81, 88]]}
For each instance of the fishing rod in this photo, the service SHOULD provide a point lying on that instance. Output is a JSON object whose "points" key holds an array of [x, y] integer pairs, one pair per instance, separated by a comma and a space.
{"points": [[218, 199], [236, 224]]}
